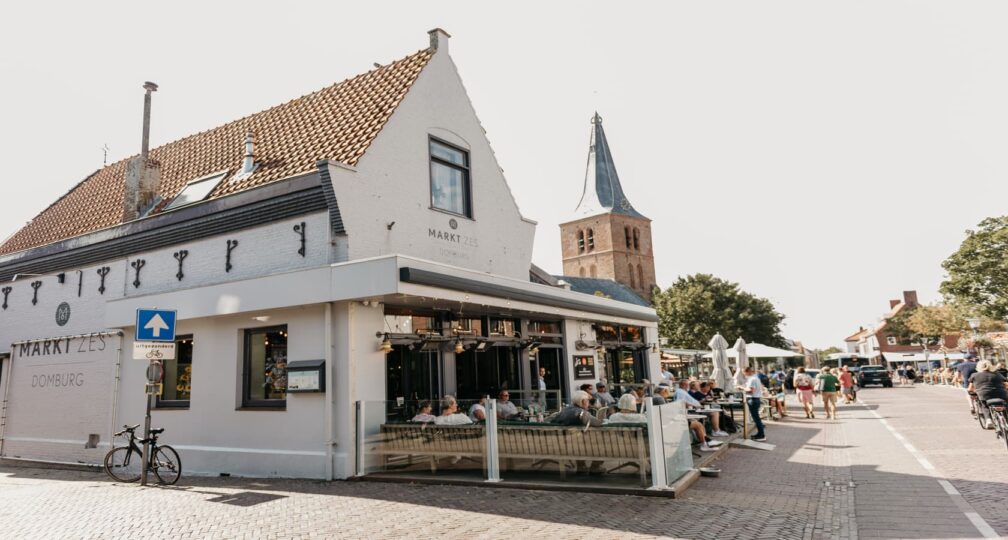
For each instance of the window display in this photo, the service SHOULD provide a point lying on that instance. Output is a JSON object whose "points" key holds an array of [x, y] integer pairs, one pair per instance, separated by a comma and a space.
{"points": [[265, 370], [176, 387]]}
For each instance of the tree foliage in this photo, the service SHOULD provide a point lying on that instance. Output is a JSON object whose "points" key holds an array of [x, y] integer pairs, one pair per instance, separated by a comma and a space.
{"points": [[978, 270], [928, 324], [696, 307]]}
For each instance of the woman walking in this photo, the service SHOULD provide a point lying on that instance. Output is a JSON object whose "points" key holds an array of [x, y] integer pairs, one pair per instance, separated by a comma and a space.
{"points": [[803, 388], [847, 385]]}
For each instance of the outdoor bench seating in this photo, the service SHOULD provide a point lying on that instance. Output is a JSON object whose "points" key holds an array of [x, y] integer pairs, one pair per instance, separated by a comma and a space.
{"points": [[626, 443]]}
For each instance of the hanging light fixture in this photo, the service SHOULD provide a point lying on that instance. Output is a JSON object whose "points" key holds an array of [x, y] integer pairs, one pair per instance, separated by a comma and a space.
{"points": [[459, 348], [386, 345], [534, 349], [654, 348]]}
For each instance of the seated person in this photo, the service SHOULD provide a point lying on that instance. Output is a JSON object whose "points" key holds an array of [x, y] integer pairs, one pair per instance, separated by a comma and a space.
{"points": [[576, 414], [449, 413], [603, 397], [506, 409], [663, 395], [695, 392], [477, 413], [627, 411], [987, 383], [424, 415], [681, 394]]}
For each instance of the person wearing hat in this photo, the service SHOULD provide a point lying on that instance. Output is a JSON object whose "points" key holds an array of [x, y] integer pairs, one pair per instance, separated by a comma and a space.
{"points": [[988, 384], [966, 370], [602, 396], [627, 411]]}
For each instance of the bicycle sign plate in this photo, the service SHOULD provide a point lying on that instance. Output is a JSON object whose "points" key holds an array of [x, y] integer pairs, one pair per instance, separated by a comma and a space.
{"points": [[152, 350]]}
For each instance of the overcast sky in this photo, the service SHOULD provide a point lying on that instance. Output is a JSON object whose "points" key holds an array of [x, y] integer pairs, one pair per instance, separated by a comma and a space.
{"points": [[824, 155]]}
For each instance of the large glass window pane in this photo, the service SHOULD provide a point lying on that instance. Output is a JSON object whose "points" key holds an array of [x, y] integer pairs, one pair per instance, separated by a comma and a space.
{"points": [[449, 154], [448, 190], [177, 385], [265, 367]]}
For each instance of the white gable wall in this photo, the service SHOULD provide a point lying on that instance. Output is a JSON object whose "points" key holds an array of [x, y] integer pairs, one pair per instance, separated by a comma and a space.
{"points": [[391, 183]]}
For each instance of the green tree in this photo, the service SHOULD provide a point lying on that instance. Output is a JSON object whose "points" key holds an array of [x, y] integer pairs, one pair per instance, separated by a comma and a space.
{"points": [[696, 307], [978, 270]]}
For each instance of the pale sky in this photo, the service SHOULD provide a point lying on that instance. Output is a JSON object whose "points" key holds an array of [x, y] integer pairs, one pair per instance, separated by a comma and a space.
{"points": [[826, 156]]}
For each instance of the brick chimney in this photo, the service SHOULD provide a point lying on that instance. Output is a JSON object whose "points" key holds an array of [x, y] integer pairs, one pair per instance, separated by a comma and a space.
{"points": [[893, 303], [910, 298], [143, 176]]}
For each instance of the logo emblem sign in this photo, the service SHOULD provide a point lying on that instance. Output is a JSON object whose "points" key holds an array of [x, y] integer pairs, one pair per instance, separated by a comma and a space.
{"points": [[63, 314]]}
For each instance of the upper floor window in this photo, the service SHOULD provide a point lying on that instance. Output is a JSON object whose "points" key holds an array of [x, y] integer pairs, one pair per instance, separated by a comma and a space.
{"points": [[636, 239], [633, 281], [629, 240], [640, 276], [450, 182], [581, 241], [591, 240], [891, 340]]}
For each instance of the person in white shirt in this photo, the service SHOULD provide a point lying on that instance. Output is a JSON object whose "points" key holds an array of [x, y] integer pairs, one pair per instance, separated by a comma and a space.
{"points": [[754, 391], [665, 395], [477, 413], [682, 394], [425, 413], [449, 413], [627, 411], [505, 409], [666, 375]]}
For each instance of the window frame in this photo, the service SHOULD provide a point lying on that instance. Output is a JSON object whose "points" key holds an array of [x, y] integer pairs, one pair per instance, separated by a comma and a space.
{"points": [[581, 241], [466, 170], [891, 340], [176, 403], [591, 239], [246, 402]]}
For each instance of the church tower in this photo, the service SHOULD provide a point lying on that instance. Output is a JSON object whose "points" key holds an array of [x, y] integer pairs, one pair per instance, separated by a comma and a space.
{"points": [[606, 237]]}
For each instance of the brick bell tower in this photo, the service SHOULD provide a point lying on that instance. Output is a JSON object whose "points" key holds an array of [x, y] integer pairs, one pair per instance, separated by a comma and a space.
{"points": [[607, 238]]}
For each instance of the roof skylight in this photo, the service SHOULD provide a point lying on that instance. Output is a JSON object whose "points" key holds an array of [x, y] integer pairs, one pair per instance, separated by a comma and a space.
{"points": [[196, 190]]}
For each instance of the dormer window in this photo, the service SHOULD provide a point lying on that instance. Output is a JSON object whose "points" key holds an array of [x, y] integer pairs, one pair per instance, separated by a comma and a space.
{"points": [[450, 183], [197, 190]]}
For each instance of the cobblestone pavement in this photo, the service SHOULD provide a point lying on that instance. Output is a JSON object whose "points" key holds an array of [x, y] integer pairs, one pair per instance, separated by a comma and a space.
{"points": [[849, 478]]}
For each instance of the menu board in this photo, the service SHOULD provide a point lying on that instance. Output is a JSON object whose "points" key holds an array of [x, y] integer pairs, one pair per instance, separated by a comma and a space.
{"points": [[584, 367]]}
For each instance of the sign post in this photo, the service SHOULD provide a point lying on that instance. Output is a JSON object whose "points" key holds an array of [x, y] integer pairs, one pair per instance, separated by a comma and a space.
{"points": [[153, 325]]}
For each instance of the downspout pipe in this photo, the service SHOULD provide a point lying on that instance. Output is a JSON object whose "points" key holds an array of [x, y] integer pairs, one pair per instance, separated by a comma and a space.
{"points": [[115, 390], [330, 391]]}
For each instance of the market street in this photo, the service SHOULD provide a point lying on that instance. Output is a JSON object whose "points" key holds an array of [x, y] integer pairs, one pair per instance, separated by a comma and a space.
{"points": [[852, 478]]}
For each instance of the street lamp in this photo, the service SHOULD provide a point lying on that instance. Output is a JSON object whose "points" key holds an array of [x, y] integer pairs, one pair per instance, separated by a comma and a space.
{"points": [[974, 324]]}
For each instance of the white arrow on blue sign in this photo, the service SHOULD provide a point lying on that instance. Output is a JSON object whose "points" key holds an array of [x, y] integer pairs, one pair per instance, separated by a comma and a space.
{"points": [[155, 325]]}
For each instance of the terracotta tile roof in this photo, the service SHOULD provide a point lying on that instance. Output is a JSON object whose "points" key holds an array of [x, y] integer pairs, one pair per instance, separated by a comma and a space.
{"points": [[338, 123]]}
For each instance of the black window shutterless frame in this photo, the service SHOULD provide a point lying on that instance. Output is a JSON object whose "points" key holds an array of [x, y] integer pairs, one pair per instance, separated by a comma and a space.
{"points": [[247, 401], [463, 168]]}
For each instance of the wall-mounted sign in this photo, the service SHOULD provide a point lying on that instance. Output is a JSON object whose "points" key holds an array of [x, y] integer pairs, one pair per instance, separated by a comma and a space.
{"points": [[63, 314], [306, 376], [584, 367], [153, 350]]}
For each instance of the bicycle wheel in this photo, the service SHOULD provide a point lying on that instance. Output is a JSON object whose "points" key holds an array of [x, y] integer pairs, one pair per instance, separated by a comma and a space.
{"points": [[981, 417], [123, 464], [167, 465]]}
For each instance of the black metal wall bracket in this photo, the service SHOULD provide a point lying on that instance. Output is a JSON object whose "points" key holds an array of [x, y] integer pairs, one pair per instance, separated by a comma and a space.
{"points": [[300, 229], [6, 291], [103, 271], [180, 256], [137, 265], [35, 285], [80, 282], [231, 244]]}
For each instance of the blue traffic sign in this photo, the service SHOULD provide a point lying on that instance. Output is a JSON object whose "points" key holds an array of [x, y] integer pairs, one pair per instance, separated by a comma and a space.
{"points": [[155, 325]]}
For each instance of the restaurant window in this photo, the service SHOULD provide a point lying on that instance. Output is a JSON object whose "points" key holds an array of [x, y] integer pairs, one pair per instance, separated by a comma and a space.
{"points": [[450, 183], [636, 239], [606, 332], [581, 241], [472, 327], [543, 327], [629, 240], [630, 334], [405, 323], [265, 367], [591, 240], [502, 327], [176, 387], [633, 281]]}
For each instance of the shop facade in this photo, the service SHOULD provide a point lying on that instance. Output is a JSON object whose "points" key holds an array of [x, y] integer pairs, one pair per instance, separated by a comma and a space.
{"points": [[405, 275]]}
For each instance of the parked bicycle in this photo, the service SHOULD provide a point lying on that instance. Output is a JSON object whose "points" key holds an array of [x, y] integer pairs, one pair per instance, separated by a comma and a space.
{"points": [[124, 463]]}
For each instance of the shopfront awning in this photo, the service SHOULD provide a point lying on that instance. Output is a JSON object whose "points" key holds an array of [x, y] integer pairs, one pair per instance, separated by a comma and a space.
{"points": [[897, 357]]}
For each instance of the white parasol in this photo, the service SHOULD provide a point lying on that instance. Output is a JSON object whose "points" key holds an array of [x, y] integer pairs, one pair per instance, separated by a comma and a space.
{"points": [[721, 374], [741, 362]]}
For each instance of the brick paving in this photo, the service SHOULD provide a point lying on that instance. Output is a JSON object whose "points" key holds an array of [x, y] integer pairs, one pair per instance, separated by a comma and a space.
{"points": [[845, 479]]}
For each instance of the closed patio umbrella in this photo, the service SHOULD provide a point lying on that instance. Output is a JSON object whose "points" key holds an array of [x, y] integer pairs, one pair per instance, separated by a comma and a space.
{"points": [[721, 374], [741, 362]]}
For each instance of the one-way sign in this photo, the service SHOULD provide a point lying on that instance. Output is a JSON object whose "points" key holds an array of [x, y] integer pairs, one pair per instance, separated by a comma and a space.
{"points": [[155, 325]]}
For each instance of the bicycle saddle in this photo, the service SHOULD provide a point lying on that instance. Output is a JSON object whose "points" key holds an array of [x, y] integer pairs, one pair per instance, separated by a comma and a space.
{"points": [[995, 401], [156, 431]]}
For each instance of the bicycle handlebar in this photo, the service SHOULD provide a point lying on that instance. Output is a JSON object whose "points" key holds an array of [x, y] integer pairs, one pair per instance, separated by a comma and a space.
{"points": [[127, 428]]}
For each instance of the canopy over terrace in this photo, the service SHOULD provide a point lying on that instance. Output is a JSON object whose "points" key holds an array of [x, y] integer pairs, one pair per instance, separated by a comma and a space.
{"points": [[758, 350]]}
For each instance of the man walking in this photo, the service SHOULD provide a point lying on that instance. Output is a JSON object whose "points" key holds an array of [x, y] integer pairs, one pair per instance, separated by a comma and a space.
{"points": [[754, 392], [830, 388]]}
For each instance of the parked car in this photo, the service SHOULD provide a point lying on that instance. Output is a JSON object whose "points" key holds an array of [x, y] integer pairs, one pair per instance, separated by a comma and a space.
{"points": [[874, 375]]}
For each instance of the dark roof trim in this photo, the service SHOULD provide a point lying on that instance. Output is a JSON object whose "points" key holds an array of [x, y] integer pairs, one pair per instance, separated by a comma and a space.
{"points": [[435, 279], [274, 202], [335, 219]]}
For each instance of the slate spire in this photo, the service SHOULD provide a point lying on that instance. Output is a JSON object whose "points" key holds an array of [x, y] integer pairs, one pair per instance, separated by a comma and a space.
{"points": [[602, 190]]}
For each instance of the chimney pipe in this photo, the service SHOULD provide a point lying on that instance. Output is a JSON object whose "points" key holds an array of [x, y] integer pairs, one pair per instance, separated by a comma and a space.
{"points": [[145, 145], [248, 164]]}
